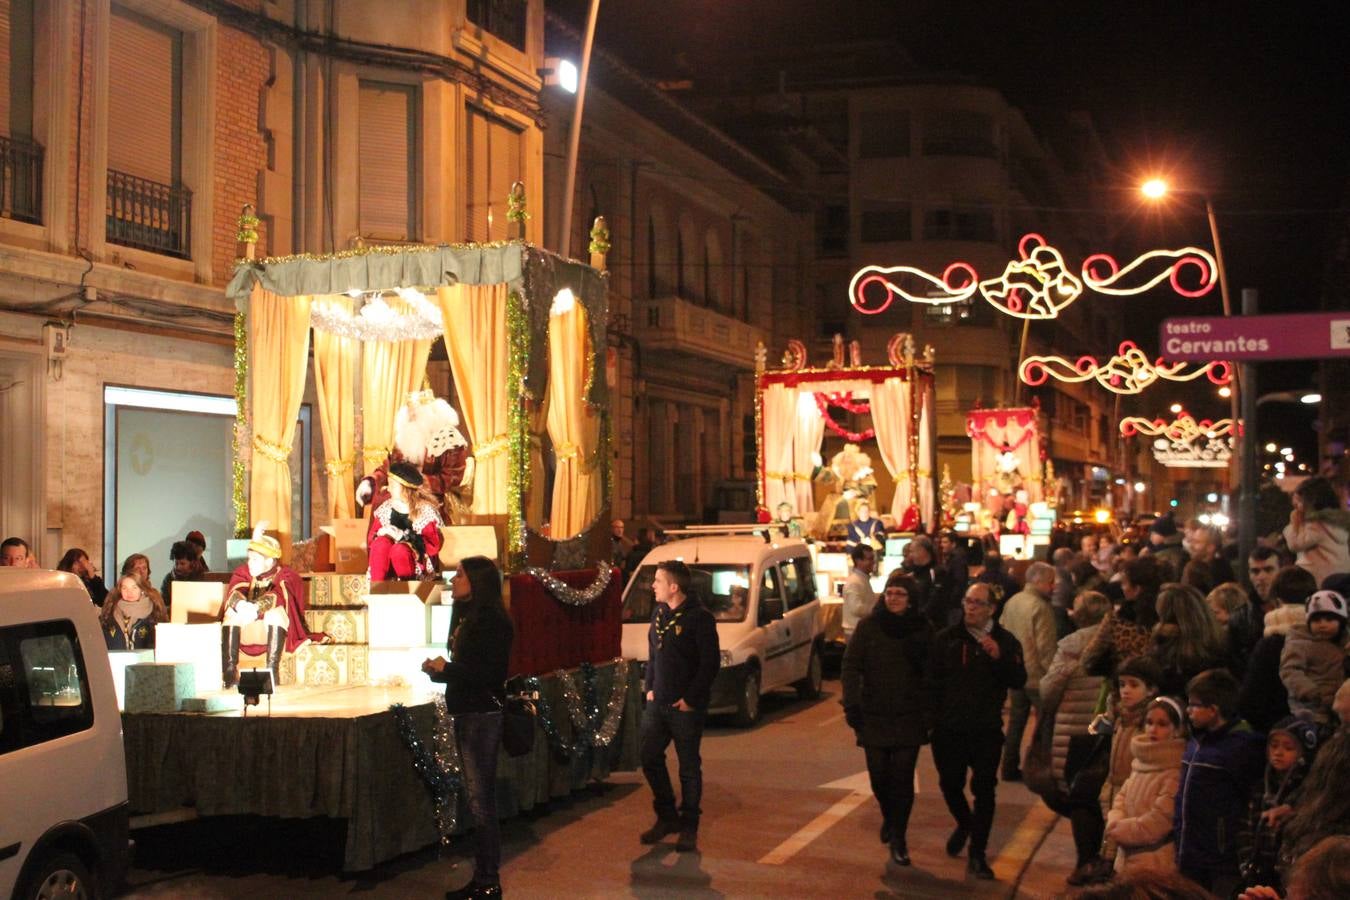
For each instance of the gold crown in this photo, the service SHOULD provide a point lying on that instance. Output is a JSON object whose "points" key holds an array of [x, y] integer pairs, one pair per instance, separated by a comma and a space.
{"points": [[422, 397]]}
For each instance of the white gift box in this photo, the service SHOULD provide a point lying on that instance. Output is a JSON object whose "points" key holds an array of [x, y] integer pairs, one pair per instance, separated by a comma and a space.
{"points": [[395, 621], [159, 687], [196, 644], [438, 621]]}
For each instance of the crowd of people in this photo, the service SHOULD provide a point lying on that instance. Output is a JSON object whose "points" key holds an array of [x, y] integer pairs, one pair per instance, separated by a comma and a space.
{"points": [[1189, 726], [131, 607]]}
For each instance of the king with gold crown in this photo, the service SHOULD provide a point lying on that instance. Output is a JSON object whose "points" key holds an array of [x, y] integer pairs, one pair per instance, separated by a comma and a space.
{"points": [[427, 436]]}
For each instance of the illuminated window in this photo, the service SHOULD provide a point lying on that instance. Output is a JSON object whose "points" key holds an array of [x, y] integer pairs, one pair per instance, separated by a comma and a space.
{"points": [[495, 160]]}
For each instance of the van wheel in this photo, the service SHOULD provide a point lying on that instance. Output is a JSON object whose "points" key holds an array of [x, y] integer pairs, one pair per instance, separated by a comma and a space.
{"points": [[59, 875], [809, 687], [747, 709]]}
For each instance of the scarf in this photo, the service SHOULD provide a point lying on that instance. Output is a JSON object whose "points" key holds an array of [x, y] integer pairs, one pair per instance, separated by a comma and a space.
{"points": [[135, 610]]}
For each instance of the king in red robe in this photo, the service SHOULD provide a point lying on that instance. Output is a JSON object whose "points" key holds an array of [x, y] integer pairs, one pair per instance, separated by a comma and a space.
{"points": [[427, 437]]}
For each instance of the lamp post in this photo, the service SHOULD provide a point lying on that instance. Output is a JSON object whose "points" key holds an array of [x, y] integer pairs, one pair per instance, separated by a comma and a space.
{"points": [[574, 136]]}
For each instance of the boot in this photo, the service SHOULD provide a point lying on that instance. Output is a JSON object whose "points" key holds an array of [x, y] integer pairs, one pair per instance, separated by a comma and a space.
{"points": [[229, 655], [276, 642]]}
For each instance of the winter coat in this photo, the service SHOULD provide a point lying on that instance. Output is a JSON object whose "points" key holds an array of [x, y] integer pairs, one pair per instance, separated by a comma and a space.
{"points": [[1322, 542], [1311, 670], [480, 654], [1259, 845], [1241, 635], [1119, 639], [1031, 619], [1140, 820], [859, 599], [683, 654], [1072, 693], [1218, 771], [1172, 552], [1127, 723], [966, 687], [1178, 670], [1263, 700], [882, 677]]}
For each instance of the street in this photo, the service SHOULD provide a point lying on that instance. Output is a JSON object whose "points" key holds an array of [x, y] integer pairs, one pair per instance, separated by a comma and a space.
{"points": [[787, 812]]}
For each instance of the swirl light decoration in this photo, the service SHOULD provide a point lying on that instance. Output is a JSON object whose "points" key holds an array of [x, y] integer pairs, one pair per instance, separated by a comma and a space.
{"points": [[1185, 443], [1037, 286], [1119, 281], [958, 282], [1128, 372]]}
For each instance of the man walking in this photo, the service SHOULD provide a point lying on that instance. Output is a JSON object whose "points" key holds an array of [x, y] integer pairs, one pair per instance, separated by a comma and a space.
{"points": [[683, 658], [1030, 619], [973, 665], [859, 598]]}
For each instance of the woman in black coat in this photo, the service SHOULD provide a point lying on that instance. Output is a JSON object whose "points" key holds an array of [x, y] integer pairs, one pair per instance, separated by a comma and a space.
{"points": [[475, 692], [884, 702]]}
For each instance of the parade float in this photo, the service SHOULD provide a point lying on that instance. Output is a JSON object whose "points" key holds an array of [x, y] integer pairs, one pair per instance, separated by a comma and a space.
{"points": [[519, 473]]}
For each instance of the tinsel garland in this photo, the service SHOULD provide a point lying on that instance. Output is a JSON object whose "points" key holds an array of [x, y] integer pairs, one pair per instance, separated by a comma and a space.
{"points": [[590, 727], [248, 229], [438, 766], [377, 321], [568, 594], [856, 437], [517, 425], [239, 484]]}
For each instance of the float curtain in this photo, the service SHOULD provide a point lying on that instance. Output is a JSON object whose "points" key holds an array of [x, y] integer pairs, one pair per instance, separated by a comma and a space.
{"points": [[780, 425], [927, 458], [390, 370], [808, 436], [278, 341], [892, 419], [335, 384], [573, 425]]}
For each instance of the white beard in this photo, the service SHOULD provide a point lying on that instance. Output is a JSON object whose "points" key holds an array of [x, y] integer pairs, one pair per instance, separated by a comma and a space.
{"points": [[414, 438]]}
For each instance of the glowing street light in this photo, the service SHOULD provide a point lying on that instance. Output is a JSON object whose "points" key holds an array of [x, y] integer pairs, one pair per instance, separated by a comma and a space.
{"points": [[1154, 188], [1225, 392], [1310, 398], [1271, 448], [1175, 408]]}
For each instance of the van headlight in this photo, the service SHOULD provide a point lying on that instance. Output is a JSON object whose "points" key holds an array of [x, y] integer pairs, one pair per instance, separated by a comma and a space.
{"points": [[726, 658]]}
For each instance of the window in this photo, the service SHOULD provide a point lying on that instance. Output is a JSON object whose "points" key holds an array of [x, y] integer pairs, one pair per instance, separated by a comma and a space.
{"points": [[724, 589], [387, 173], [799, 587], [503, 19], [651, 257], [964, 223], [147, 205], [44, 686], [959, 133], [768, 590], [886, 223], [883, 134], [832, 231], [494, 162], [20, 156]]}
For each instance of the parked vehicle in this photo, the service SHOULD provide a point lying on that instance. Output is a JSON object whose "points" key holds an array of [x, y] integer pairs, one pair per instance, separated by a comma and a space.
{"points": [[763, 595], [63, 781]]}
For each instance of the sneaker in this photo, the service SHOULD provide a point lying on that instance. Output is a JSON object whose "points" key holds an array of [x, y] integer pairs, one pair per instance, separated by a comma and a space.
{"points": [[957, 842], [978, 867], [687, 841], [662, 828]]}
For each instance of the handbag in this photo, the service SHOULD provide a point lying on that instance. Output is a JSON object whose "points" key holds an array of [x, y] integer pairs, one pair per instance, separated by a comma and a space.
{"points": [[1088, 763], [518, 715]]}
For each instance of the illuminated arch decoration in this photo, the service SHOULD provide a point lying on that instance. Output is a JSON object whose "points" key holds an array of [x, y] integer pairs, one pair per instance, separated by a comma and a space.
{"points": [[1128, 372], [1036, 285], [1185, 443]]}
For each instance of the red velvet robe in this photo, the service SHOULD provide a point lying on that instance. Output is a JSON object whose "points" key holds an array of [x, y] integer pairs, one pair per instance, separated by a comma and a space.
{"points": [[427, 525], [444, 474], [287, 590]]}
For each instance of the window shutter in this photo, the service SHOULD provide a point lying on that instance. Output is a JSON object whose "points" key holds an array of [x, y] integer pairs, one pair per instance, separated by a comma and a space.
{"points": [[495, 161], [387, 169], [5, 57], [145, 77]]}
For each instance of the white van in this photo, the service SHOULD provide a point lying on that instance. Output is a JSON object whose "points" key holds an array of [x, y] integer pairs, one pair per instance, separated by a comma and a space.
{"points": [[63, 776], [763, 595]]}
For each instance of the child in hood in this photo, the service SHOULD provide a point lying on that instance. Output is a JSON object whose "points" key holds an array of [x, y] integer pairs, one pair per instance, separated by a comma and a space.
{"points": [[1290, 748], [1140, 821], [1312, 664]]}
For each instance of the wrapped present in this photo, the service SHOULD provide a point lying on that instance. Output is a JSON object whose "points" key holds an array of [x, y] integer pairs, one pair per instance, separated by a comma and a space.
{"points": [[219, 702], [343, 624], [328, 589], [120, 661], [396, 620], [159, 687], [324, 665], [196, 644]]}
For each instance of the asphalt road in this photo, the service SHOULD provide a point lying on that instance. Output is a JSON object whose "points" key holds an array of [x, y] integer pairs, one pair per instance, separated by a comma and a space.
{"points": [[787, 813]]}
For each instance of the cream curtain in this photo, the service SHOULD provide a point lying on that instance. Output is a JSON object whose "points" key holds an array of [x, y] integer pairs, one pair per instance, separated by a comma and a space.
{"points": [[891, 417], [390, 370], [278, 341], [478, 346], [927, 458], [573, 425], [984, 456], [809, 434], [335, 383], [538, 501], [780, 427]]}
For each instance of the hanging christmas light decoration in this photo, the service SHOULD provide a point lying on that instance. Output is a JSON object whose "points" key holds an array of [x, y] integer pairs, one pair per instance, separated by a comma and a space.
{"points": [[1037, 286], [958, 282], [1185, 443], [1128, 372], [1123, 282]]}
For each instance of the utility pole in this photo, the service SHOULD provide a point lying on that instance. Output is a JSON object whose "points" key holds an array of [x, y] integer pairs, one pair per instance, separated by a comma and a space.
{"points": [[1246, 447]]}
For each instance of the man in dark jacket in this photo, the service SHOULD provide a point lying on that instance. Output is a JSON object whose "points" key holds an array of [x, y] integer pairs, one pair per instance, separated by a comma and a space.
{"points": [[1263, 700], [973, 665], [682, 661]]}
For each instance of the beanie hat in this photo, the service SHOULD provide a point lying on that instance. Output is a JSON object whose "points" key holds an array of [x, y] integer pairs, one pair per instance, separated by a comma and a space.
{"points": [[1142, 667], [1327, 603], [1304, 731], [1163, 527]]}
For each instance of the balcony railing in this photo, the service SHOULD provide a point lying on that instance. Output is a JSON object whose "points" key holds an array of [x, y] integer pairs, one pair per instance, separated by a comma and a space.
{"points": [[20, 180], [677, 325], [148, 215], [504, 19]]}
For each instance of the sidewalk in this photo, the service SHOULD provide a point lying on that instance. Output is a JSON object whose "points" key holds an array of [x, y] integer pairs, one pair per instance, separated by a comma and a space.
{"points": [[1049, 861]]}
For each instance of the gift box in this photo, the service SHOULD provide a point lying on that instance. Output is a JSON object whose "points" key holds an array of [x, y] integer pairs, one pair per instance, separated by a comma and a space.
{"points": [[328, 589], [396, 620], [438, 624], [195, 644], [219, 702], [325, 665], [120, 661], [159, 687], [343, 624]]}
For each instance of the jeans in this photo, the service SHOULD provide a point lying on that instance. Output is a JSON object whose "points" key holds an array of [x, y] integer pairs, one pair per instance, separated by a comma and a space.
{"points": [[953, 753], [1023, 701], [891, 771], [480, 739], [660, 726]]}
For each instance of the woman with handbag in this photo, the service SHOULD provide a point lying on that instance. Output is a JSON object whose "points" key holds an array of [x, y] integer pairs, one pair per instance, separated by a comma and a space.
{"points": [[475, 692]]}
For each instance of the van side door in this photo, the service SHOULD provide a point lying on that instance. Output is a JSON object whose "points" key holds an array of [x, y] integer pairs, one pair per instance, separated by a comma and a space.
{"points": [[803, 613], [777, 640]]}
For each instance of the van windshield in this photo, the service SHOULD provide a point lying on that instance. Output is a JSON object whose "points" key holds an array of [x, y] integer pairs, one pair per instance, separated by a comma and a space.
{"points": [[724, 589]]}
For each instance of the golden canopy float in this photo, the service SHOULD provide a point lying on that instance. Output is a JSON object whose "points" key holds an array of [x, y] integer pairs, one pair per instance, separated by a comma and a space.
{"points": [[1005, 452], [794, 406], [535, 415]]}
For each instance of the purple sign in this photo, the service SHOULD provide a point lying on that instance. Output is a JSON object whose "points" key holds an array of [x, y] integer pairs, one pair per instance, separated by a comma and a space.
{"points": [[1255, 338]]}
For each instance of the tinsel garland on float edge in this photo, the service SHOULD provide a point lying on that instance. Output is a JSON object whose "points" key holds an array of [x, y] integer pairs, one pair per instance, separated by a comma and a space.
{"points": [[589, 729], [568, 594], [239, 485], [517, 427], [438, 766]]}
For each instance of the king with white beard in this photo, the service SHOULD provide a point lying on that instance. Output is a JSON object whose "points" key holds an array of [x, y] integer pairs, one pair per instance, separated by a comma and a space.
{"points": [[427, 435]]}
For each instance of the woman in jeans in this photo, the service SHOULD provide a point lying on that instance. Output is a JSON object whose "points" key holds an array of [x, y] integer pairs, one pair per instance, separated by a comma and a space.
{"points": [[474, 678]]}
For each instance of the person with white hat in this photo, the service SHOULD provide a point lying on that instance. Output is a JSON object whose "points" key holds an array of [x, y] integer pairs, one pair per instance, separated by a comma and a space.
{"points": [[265, 599]]}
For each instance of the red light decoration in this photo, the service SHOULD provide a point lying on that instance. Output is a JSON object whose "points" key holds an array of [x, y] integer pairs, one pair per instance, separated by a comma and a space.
{"points": [[1123, 282], [823, 403], [1128, 372]]}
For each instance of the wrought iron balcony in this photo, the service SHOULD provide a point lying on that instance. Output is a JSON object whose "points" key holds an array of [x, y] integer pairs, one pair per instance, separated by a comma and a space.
{"points": [[20, 179], [148, 215]]}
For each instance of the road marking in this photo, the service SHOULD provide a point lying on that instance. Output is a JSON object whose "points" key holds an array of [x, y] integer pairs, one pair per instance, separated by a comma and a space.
{"points": [[1024, 841], [859, 788], [830, 721]]}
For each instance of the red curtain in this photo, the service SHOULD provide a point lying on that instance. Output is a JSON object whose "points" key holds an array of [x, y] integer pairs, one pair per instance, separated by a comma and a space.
{"points": [[550, 634]]}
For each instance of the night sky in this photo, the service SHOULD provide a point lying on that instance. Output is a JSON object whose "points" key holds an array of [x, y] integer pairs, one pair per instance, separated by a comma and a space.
{"points": [[1252, 108]]}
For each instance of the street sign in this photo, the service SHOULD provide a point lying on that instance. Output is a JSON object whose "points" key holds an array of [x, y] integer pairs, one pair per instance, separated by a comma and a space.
{"points": [[1255, 338]]}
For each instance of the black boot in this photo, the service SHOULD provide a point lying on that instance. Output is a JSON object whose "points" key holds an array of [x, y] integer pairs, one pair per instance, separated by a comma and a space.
{"points": [[276, 642], [229, 655]]}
